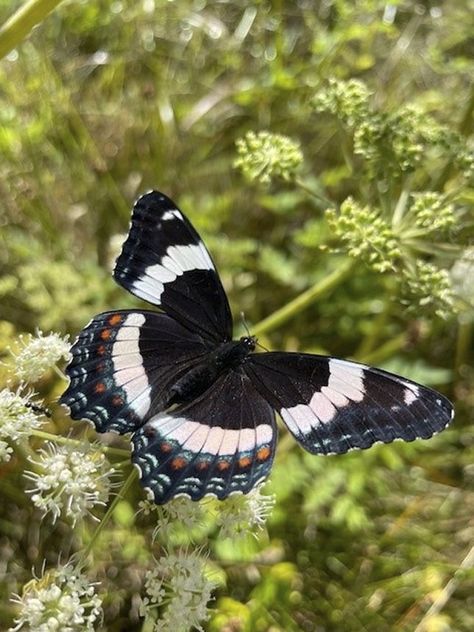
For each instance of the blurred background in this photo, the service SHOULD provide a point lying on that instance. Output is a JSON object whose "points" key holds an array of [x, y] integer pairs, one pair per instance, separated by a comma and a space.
{"points": [[106, 100]]}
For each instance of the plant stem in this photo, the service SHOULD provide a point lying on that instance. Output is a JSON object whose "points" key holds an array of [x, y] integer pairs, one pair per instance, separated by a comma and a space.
{"points": [[385, 351], [446, 594], [17, 27], [463, 344], [305, 299], [48, 436], [321, 198], [108, 514]]}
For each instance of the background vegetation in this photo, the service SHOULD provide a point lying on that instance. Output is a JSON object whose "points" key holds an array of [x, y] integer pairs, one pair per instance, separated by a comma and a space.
{"points": [[106, 100]]}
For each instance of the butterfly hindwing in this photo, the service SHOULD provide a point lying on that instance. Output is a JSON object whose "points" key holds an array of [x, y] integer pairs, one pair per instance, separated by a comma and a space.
{"points": [[221, 443], [332, 406], [165, 262], [122, 366]]}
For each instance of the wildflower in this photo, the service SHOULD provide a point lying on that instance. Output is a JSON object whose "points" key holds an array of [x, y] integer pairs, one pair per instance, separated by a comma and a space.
{"points": [[365, 234], [432, 288], [69, 481], [17, 419], [240, 514], [62, 599], [178, 583], [172, 516], [39, 355], [432, 212], [348, 100], [265, 156]]}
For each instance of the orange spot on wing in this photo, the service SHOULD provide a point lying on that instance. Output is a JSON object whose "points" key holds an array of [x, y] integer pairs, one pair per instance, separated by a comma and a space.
{"points": [[245, 461], [100, 387], [178, 463], [117, 400], [105, 334], [166, 447], [100, 367], [101, 350], [202, 465], [223, 465], [263, 454], [116, 319]]}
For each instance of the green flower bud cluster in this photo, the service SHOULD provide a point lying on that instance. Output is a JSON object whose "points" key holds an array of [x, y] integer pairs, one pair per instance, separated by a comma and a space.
{"points": [[390, 142], [366, 235], [264, 156], [348, 100], [431, 287], [431, 212]]}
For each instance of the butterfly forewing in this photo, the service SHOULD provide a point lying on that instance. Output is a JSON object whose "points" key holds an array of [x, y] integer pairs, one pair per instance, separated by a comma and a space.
{"points": [[164, 262], [123, 365], [221, 443], [332, 406]]}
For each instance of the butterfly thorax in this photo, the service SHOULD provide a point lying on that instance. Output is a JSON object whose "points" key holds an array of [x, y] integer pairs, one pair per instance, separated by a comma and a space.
{"points": [[227, 356]]}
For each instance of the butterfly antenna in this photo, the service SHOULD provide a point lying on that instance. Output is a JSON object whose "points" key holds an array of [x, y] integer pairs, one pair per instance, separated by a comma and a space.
{"points": [[261, 346], [244, 322]]}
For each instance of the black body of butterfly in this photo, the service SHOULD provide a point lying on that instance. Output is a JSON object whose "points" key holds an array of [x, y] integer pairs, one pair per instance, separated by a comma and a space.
{"points": [[200, 406]]}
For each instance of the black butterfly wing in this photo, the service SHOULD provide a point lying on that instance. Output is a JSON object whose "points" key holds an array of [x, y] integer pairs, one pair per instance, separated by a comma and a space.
{"points": [[164, 262], [123, 364], [221, 443], [332, 406]]}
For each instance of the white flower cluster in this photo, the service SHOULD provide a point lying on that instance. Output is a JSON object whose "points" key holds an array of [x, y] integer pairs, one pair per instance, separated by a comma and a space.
{"points": [[241, 514], [62, 600], [174, 515], [39, 355], [69, 480], [179, 584], [18, 418]]}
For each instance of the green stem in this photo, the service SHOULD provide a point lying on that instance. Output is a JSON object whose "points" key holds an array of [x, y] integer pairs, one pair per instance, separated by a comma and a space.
{"points": [[17, 27], [401, 206], [48, 436], [304, 300], [369, 342], [463, 344], [385, 351], [321, 198], [108, 514]]}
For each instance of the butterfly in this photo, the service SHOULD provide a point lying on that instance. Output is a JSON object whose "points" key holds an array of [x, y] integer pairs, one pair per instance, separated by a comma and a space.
{"points": [[200, 406]]}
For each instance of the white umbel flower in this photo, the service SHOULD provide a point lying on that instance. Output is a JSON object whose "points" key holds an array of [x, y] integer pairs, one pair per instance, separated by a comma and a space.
{"points": [[18, 417], [179, 583], [39, 354], [62, 600], [70, 481], [241, 514], [173, 516]]}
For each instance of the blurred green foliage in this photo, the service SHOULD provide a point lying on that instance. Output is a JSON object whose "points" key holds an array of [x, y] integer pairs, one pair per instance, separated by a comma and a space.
{"points": [[108, 99]]}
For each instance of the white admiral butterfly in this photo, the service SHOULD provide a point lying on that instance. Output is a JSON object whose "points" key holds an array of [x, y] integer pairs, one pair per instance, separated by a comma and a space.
{"points": [[202, 406]]}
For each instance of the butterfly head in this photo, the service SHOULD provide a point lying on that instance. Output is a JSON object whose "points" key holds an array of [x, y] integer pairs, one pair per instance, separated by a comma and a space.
{"points": [[249, 343]]}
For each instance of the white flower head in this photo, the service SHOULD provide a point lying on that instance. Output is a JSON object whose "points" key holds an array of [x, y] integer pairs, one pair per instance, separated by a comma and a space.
{"points": [[171, 517], [242, 514], [179, 584], [18, 417], [70, 481], [39, 354], [62, 599]]}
